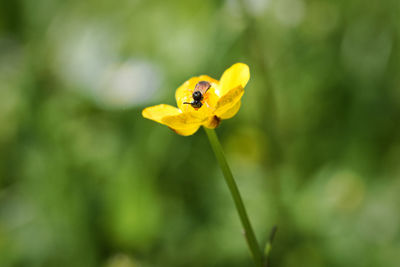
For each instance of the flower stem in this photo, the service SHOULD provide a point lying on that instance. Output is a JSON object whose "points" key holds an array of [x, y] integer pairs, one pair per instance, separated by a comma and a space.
{"points": [[248, 230]]}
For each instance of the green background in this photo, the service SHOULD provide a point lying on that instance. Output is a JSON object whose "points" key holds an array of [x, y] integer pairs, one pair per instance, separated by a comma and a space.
{"points": [[315, 148]]}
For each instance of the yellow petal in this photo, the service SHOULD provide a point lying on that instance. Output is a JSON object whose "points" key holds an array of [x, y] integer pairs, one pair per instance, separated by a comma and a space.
{"points": [[184, 120], [228, 101], [186, 123], [185, 91], [187, 131], [156, 113], [160, 112], [231, 112], [237, 75]]}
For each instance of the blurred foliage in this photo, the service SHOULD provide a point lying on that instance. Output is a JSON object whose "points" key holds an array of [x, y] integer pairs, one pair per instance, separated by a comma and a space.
{"points": [[86, 181]]}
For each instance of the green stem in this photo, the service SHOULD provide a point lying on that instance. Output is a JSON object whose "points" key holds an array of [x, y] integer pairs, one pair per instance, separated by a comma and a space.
{"points": [[268, 246], [248, 230]]}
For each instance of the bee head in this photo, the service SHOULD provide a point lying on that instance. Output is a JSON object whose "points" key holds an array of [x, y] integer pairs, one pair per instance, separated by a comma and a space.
{"points": [[195, 104]]}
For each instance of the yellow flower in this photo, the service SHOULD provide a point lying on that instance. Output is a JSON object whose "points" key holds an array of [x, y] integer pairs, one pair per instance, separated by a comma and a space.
{"points": [[217, 100]]}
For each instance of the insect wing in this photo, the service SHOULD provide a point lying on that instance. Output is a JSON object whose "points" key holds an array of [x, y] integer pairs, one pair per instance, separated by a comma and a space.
{"points": [[202, 87]]}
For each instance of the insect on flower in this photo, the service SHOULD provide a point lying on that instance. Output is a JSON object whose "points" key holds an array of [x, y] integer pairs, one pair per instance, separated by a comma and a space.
{"points": [[198, 94], [203, 101]]}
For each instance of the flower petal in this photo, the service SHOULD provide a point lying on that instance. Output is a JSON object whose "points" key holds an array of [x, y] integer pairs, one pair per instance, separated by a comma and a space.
{"points": [[156, 113], [231, 112], [184, 120], [228, 101], [185, 91], [172, 117], [187, 131], [237, 75]]}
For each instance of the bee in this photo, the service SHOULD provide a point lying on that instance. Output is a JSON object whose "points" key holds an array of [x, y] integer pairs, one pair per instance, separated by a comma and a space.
{"points": [[198, 94]]}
